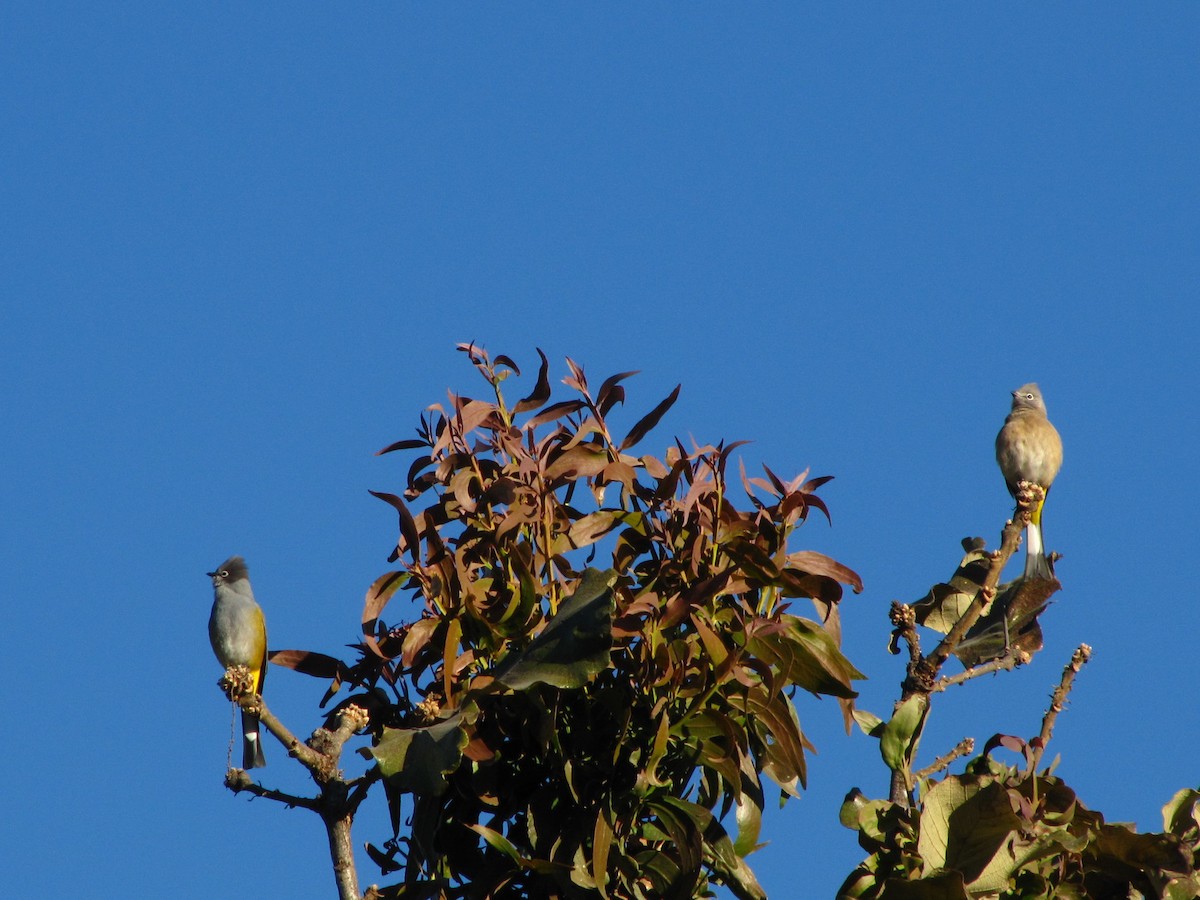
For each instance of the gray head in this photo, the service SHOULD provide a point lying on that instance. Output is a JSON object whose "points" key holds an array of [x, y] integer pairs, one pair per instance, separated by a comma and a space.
{"points": [[1027, 396], [230, 572]]}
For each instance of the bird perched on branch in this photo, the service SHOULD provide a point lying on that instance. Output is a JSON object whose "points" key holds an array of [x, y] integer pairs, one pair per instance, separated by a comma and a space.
{"points": [[1029, 450], [238, 633]]}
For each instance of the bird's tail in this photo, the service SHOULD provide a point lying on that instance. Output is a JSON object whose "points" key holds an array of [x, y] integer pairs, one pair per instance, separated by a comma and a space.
{"points": [[1036, 563], [252, 752]]}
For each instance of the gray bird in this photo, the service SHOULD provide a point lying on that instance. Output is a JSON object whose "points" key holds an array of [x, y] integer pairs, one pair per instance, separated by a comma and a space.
{"points": [[1028, 448], [238, 633]]}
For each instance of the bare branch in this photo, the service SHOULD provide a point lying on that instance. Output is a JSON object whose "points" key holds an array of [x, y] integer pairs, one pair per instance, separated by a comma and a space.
{"points": [[239, 780], [1004, 663], [965, 747], [1058, 700]]}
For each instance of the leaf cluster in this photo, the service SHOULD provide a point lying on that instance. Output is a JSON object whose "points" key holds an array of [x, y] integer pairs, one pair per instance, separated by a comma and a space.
{"points": [[999, 831], [603, 660]]}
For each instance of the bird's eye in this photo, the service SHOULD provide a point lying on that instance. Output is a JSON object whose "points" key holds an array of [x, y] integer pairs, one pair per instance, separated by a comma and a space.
{"points": [[1029, 396], [224, 573]]}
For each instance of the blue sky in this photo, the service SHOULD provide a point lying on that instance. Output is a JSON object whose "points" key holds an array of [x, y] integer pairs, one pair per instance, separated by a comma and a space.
{"points": [[240, 244]]}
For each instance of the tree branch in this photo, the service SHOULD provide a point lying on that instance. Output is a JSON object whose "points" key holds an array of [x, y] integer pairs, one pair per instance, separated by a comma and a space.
{"points": [[1058, 700], [239, 780], [321, 755], [965, 747], [1010, 540], [1006, 662]]}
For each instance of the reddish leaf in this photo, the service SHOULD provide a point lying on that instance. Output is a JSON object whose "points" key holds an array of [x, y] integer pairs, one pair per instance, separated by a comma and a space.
{"points": [[409, 537], [618, 471], [504, 360], [820, 564], [654, 467], [419, 635], [779, 488], [813, 483], [796, 583], [306, 662], [541, 390], [582, 461], [699, 593], [378, 594], [577, 379], [651, 419], [814, 500], [611, 393], [557, 411], [407, 444]]}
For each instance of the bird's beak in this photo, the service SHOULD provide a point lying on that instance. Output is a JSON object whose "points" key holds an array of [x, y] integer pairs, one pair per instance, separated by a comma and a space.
{"points": [[210, 574]]}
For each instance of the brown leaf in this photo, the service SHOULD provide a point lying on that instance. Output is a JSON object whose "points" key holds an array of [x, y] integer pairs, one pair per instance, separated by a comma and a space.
{"points": [[619, 471], [577, 379], [594, 526], [819, 564], [681, 605], [409, 537], [306, 662], [654, 467], [378, 594], [651, 419], [541, 391], [407, 444], [796, 583], [420, 633], [582, 461], [611, 393], [556, 411], [473, 413], [506, 360]]}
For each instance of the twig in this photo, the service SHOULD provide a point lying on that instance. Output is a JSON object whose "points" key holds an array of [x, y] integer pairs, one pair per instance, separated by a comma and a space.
{"points": [[338, 799], [1010, 540], [922, 673], [1058, 700], [239, 780], [1004, 663], [904, 618], [313, 760], [965, 747]]}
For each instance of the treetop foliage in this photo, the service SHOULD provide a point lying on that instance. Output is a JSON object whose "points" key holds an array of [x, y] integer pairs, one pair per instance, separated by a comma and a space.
{"points": [[605, 656]]}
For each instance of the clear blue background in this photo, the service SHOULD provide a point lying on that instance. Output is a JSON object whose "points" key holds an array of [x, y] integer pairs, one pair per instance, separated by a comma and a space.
{"points": [[240, 244]]}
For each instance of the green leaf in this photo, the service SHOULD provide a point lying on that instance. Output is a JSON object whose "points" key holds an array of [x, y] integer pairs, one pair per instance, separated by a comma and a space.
{"points": [[870, 724], [749, 809], [806, 655], [851, 808], [417, 760], [898, 743], [602, 838], [1182, 811], [718, 849], [574, 646], [497, 841], [969, 826], [939, 886], [785, 751]]}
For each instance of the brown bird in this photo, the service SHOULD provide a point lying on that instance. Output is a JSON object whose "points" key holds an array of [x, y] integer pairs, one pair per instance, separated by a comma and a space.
{"points": [[1028, 448]]}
